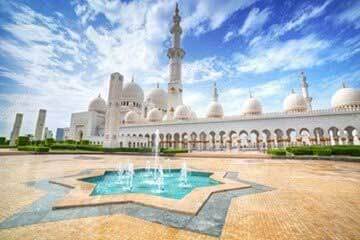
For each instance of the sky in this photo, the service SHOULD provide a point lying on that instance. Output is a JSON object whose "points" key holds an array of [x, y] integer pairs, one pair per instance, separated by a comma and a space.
{"points": [[58, 54]]}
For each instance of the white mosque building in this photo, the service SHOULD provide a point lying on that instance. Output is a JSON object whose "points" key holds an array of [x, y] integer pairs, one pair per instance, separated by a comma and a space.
{"points": [[127, 119]]}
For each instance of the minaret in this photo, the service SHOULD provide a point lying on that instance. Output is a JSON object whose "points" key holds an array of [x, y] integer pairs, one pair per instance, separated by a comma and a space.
{"points": [[175, 54], [112, 117], [215, 93], [305, 91]]}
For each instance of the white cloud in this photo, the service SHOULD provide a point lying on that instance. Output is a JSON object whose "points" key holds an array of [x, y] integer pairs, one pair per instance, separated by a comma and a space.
{"points": [[296, 23], [253, 22], [206, 69], [350, 16], [289, 55]]}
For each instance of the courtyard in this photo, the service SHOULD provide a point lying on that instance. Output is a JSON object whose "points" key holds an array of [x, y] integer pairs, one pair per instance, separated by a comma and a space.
{"points": [[273, 199]]}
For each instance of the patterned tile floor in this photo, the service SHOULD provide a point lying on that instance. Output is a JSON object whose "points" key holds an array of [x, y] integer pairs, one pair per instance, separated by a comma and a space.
{"points": [[309, 200]]}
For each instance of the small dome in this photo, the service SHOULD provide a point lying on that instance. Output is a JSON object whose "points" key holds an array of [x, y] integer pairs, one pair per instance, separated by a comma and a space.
{"points": [[346, 98], [132, 92], [182, 112], [131, 117], [158, 98], [295, 103], [215, 110], [97, 105], [193, 115], [155, 115], [252, 106]]}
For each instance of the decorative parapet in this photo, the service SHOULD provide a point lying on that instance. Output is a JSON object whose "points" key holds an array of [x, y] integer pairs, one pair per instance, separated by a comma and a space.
{"points": [[272, 115]]}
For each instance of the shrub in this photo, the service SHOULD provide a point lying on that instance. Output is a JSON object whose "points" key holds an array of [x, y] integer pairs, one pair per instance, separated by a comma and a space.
{"points": [[2, 140], [25, 148], [173, 150], [85, 142], [41, 149], [303, 150], [49, 141], [30, 148], [7, 146], [58, 146], [70, 141], [124, 149], [37, 142], [325, 151], [346, 150], [276, 151], [90, 147], [23, 141]]}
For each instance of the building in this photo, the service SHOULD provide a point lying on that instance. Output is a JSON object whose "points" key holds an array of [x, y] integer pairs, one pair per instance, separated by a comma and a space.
{"points": [[16, 129], [40, 123], [128, 119], [59, 134], [48, 133]]}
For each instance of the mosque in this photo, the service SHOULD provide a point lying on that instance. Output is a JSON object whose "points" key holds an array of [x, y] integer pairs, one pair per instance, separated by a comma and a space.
{"points": [[128, 119]]}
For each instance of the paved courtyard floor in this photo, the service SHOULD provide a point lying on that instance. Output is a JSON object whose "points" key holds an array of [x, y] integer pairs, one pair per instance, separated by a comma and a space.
{"points": [[289, 199]]}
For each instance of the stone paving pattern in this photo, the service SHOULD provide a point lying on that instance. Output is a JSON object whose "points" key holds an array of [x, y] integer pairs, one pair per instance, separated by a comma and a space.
{"points": [[309, 200]]}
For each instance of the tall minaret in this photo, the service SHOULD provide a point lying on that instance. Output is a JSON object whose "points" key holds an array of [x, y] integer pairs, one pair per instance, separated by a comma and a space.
{"points": [[112, 117], [215, 93], [305, 90], [175, 54]]}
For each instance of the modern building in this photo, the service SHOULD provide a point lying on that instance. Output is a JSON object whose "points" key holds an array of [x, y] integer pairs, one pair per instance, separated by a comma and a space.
{"points": [[40, 123], [16, 129], [129, 120], [59, 134]]}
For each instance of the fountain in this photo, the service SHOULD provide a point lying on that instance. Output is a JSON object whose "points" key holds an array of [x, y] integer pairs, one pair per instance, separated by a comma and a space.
{"points": [[153, 179], [126, 176], [183, 176], [148, 167]]}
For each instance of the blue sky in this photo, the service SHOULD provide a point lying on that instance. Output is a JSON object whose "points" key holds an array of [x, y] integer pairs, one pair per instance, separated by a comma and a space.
{"points": [[58, 55]]}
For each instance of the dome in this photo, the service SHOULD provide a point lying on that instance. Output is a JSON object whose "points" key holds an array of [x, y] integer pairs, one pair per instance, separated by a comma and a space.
{"points": [[97, 105], [215, 110], [182, 112], [155, 115], [158, 97], [193, 115], [346, 98], [131, 117], [132, 92], [166, 118], [295, 103], [252, 106]]}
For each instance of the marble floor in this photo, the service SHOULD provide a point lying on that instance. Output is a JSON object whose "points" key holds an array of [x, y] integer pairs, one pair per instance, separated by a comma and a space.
{"points": [[291, 200]]}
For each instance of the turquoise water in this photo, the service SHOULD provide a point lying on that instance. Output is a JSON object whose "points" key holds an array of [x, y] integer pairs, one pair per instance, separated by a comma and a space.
{"points": [[143, 182]]}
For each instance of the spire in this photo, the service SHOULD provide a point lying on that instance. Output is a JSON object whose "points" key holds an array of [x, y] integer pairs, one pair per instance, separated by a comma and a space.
{"points": [[176, 21], [250, 93], [176, 9], [215, 93], [303, 80]]}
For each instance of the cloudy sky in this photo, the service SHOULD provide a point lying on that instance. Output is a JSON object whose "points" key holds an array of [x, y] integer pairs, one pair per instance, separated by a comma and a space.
{"points": [[58, 54]]}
